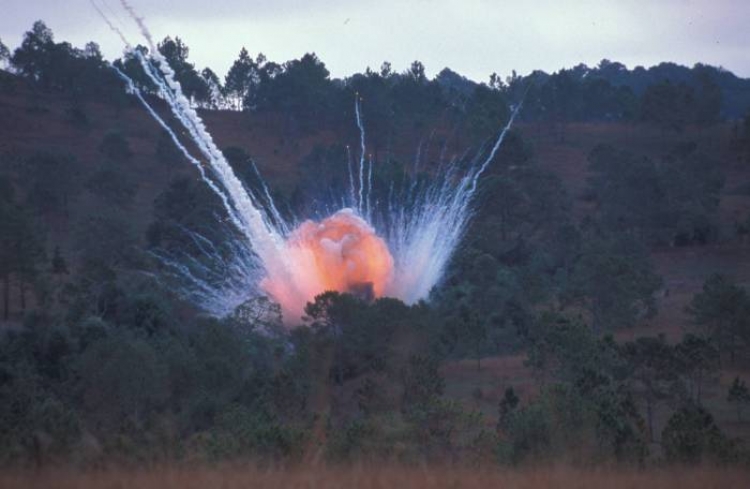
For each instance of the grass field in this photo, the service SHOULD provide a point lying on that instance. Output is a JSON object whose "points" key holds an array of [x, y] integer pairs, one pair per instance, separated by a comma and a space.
{"points": [[379, 477], [25, 127]]}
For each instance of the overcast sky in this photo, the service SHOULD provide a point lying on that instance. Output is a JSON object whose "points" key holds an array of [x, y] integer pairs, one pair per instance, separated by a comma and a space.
{"points": [[473, 37]]}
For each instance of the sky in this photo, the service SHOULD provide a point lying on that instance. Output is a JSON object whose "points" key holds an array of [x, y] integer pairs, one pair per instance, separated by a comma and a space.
{"points": [[473, 37]]}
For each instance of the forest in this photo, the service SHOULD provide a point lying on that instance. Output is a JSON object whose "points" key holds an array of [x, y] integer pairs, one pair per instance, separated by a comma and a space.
{"points": [[596, 314]]}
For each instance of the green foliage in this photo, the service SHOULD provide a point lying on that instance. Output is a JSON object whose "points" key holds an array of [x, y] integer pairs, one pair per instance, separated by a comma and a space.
{"points": [[128, 385], [721, 309], [474, 330], [520, 246], [562, 348], [568, 354], [76, 115], [353, 441], [359, 334], [34, 423], [523, 204], [112, 185], [131, 66], [615, 281], [106, 240], [167, 153], [259, 434], [81, 73], [176, 52], [710, 96], [604, 93], [115, 147], [698, 358], [122, 382], [416, 99], [673, 201], [668, 105], [213, 85], [245, 168], [147, 312], [441, 426], [330, 161], [691, 436], [507, 406], [50, 181], [675, 105], [185, 204], [738, 394], [556, 425], [742, 138], [90, 330], [487, 110], [258, 314], [301, 90], [242, 80], [576, 94], [422, 381], [119, 364], [59, 265], [375, 94], [30, 57], [21, 248], [667, 95], [654, 373], [4, 52]]}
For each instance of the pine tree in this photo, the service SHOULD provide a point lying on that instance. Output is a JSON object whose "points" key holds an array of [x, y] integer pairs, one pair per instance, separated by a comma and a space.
{"points": [[506, 407], [739, 395], [20, 248], [721, 309], [4, 53], [240, 79], [59, 266]]}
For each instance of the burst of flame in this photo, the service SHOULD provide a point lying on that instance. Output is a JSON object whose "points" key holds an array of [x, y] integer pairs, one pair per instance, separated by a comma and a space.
{"points": [[341, 253]]}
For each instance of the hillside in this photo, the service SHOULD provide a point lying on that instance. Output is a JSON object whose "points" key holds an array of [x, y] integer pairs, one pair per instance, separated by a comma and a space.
{"points": [[592, 235]]}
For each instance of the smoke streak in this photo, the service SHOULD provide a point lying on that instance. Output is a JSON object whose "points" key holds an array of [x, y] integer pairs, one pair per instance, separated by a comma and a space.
{"points": [[357, 112], [404, 256]]}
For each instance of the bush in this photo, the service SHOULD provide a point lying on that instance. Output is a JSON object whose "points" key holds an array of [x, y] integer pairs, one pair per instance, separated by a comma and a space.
{"points": [[691, 436], [559, 424]]}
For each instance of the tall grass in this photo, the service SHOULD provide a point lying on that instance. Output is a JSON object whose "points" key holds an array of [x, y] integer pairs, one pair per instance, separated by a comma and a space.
{"points": [[376, 478]]}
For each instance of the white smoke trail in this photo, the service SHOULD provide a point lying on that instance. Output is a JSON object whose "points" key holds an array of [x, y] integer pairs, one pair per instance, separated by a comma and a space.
{"points": [[279, 221], [424, 238], [266, 241], [368, 201], [217, 294], [423, 228], [351, 176], [111, 25], [132, 89], [362, 150], [497, 145]]}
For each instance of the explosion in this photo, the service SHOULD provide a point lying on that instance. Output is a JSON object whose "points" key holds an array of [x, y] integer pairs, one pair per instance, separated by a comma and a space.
{"points": [[341, 253], [404, 256]]}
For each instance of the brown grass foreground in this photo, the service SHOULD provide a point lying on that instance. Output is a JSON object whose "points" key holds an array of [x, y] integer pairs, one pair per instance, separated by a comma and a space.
{"points": [[378, 477]]}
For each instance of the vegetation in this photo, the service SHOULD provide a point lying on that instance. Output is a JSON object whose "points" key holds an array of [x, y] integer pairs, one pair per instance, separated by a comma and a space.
{"points": [[379, 477], [102, 361]]}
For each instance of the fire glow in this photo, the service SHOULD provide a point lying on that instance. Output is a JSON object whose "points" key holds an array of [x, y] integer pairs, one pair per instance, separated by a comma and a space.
{"points": [[403, 253], [341, 253]]}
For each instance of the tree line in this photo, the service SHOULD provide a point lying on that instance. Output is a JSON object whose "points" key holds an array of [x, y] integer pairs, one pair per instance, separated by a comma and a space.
{"points": [[104, 361], [667, 95]]}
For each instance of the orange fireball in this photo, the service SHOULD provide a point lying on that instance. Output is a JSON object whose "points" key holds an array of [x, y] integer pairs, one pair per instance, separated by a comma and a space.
{"points": [[341, 253]]}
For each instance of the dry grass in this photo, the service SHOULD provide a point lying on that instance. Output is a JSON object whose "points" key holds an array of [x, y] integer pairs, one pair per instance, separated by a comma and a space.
{"points": [[378, 477], [463, 381]]}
